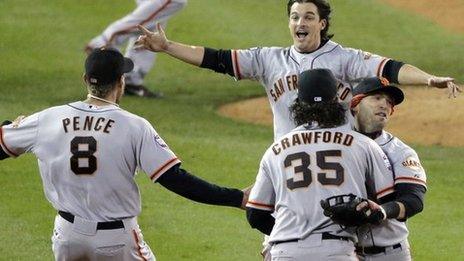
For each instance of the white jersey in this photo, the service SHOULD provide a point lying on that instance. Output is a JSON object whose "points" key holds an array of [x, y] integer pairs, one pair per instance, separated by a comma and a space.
{"points": [[310, 164], [88, 156], [277, 69], [406, 169]]}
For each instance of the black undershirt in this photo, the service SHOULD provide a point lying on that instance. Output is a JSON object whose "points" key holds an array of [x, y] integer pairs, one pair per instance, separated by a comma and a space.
{"points": [[262, 220], [187, 185]]}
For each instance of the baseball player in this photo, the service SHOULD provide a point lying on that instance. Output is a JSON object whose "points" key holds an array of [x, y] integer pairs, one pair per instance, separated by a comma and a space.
{"points": [[323, 157], [372, 106], [277, 68], [124, 30], [88, 154]]}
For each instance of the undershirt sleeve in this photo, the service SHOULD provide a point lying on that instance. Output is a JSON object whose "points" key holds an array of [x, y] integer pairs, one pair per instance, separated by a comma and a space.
{"points": [[187, 185]]}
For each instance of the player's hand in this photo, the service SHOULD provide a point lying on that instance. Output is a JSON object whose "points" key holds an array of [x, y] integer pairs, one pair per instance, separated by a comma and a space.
{"points": [[153, 41], [445, 82], [373, 211], [18, 120], [15, 123]]}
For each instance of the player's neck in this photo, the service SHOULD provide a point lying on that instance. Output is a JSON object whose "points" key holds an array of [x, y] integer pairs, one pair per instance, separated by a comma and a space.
{"points": [[316, 46], [373, 135], [92, 99]]}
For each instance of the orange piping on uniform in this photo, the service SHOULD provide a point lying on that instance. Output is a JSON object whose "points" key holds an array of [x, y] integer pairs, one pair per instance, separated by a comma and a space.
{"points": [[411, 179], [261, 204], [139, 248], [384, 190], [237, 69], [379, 69], [162, 168]]}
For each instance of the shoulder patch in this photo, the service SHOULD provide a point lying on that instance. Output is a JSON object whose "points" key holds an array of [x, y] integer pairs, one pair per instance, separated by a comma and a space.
{"points": [[160, 141], [412, 163]]}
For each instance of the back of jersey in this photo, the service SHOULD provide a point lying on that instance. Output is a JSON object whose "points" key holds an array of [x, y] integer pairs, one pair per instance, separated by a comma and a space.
{"points": [[88, 157], [308, 165]]}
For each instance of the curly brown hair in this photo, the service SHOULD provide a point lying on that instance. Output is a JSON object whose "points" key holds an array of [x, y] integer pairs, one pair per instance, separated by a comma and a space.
{"points": [[327, 114]]}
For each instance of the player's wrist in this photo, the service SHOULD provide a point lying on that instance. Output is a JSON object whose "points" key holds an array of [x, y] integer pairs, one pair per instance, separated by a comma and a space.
{"points": [[390, 209], [430, 80]]}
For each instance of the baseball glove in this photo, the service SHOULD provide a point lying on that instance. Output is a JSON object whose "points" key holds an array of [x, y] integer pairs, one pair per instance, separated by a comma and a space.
{"points": [[342, 210]]}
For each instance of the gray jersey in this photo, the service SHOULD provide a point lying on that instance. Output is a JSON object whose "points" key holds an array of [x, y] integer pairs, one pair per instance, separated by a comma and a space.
{"points": [[88, 156], [310, 164], [406, 169], [277, 69]]}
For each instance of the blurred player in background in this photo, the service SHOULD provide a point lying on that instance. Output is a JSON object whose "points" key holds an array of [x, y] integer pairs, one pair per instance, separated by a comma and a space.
{"points": [[124, 30]]}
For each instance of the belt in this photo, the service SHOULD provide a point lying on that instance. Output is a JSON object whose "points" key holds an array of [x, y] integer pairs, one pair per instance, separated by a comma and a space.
{"points": [[375, 249], [100, 225], [325, 236]]}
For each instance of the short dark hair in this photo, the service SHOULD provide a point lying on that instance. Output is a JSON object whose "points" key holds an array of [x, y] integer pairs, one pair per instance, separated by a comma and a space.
{"points": [[101, 91], [327, 114], [323, 7]]}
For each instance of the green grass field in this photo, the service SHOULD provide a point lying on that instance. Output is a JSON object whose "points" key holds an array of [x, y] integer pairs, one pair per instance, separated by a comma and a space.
{"points": [[41, 63]]}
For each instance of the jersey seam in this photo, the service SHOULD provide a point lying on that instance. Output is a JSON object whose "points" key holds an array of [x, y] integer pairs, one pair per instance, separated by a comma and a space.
{"points": [[291, 57], [317, 56], [387, 141]]}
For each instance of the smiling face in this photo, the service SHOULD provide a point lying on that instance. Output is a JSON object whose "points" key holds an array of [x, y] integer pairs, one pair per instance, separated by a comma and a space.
{"points": [[373, 112], [305, 26]]}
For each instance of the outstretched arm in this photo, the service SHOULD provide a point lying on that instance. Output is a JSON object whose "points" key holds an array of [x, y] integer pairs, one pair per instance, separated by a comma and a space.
{"points": [[187, 185], [411, 75], [158, 42]]}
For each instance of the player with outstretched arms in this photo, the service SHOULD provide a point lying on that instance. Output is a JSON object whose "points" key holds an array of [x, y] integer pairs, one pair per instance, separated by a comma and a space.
{"points": [[277, 68]]}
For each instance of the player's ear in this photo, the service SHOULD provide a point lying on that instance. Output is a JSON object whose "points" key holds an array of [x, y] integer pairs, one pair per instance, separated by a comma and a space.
{"points": [[323, 24], [121, 83], [84, 79], [354, 110]]}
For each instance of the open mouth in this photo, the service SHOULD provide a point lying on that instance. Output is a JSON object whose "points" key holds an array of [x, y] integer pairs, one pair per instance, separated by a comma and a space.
{"points": [[301, 34], [381, 114]]}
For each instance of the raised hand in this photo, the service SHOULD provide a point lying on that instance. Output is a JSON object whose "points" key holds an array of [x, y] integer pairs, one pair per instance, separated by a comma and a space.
{"points": [[153, 41], [445, 82]]}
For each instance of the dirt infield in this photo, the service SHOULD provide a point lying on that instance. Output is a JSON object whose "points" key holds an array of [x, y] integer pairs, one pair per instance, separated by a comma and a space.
{"points": [[426, 117]]}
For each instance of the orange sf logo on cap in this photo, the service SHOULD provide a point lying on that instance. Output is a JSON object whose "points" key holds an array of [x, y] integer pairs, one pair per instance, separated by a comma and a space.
{"points": [[384, 81]]}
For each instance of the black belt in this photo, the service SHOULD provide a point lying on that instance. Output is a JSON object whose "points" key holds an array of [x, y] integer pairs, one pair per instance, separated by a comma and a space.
{"points": [[325, 236], [100, 225], [374, 249]]}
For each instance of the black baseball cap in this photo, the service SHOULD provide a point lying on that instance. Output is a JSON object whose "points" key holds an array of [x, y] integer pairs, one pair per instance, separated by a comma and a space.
{"points": [[375, 85], [317, 85], [104, 66]]}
